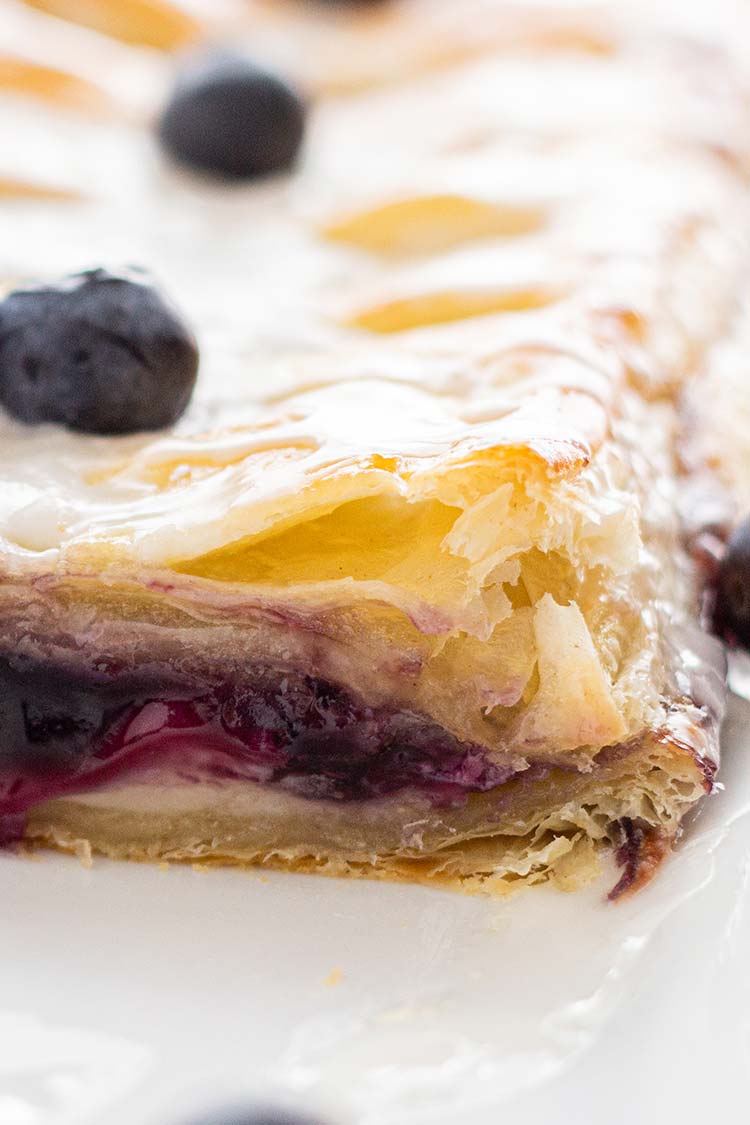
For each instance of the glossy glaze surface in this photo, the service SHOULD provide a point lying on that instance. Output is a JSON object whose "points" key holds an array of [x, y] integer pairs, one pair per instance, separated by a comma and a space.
{"points": [[320, 325]]}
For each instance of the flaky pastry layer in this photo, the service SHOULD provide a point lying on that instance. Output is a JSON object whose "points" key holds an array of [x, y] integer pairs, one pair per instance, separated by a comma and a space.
{"points": [[550, 827]]}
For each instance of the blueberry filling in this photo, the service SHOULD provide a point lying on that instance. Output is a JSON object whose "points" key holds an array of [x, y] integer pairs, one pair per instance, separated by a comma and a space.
{"points": [[65, 732], [641, 850]]}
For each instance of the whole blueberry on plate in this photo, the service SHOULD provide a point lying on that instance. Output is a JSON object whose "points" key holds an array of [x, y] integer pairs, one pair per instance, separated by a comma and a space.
{"points": [[98, 352], [732, 611], [231, 118], [255, 1115]]}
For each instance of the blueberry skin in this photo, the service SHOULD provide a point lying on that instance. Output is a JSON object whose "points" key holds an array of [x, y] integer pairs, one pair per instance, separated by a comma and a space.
{"points": [[232, 119], [732, 611], [98, 352], [256, 1115]]}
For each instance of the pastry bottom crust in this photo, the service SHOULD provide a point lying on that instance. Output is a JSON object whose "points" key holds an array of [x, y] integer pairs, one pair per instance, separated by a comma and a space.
{"points": [[529, 830]]}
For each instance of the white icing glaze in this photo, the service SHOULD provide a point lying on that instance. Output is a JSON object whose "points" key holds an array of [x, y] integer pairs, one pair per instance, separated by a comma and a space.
{"points": [[289, 394]]}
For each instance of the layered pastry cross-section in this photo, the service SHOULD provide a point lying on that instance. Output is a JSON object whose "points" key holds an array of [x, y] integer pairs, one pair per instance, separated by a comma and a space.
{"points": [[460, 648], [404, 594]]}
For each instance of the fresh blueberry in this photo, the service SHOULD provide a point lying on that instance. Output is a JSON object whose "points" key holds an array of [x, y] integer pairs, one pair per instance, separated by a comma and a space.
{"points": [[230, 118], [101, 353], [732, 613], [256, 1115]]}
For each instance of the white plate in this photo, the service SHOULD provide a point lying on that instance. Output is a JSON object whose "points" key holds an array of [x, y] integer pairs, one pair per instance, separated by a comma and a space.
{"points": [[136, 996]]}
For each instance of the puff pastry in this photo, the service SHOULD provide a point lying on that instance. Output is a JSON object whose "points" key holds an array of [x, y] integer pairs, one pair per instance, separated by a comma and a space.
{"points": [[405, 594]]}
